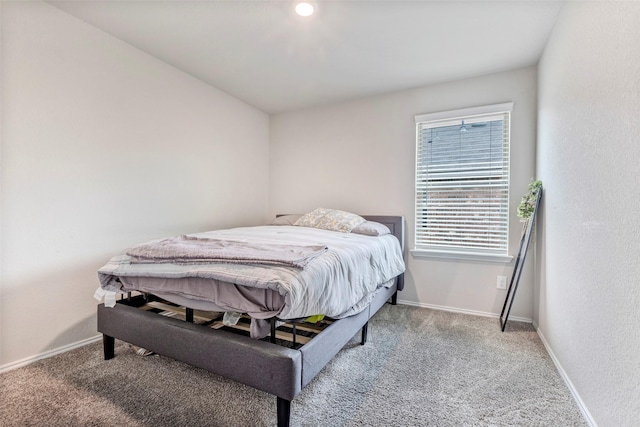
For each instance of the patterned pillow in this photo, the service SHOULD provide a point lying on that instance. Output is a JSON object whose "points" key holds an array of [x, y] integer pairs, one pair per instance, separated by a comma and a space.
{"points": [[330, 219]]}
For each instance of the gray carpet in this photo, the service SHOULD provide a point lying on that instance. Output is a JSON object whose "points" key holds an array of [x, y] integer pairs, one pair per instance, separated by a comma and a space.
{"points": [[420, 367]]}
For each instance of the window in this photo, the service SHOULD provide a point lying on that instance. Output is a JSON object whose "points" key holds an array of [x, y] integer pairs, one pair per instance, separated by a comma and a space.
{"points": [[462, 183]]}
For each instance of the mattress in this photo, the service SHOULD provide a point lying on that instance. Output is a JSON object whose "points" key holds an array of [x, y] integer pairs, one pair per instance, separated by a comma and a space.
{"points": [[338, 283]]}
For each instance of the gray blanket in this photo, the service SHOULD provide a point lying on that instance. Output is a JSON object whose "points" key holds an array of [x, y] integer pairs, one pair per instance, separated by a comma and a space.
{"points": [[197, 250]]}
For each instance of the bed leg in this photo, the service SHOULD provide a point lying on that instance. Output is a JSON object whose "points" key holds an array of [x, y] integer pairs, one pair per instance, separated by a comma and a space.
{"points": [[394, 298], [272, 338], [294, 333], [108, 346], [189, 314], [365, 329], [284, 412]]}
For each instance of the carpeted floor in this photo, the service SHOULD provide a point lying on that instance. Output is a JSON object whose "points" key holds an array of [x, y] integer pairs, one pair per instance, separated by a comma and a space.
{"points": [[420, 367]]}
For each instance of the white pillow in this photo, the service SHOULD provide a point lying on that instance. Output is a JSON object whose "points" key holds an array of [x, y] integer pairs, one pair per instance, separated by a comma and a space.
{"points": [[371, 228]]}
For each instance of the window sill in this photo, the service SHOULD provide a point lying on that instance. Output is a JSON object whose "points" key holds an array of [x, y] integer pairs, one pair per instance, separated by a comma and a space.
{"points": [[465, 256]]}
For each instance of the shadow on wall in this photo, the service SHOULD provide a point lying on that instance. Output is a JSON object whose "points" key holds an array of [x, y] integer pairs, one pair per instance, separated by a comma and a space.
{"points": [[539, 274], [87, 326]]}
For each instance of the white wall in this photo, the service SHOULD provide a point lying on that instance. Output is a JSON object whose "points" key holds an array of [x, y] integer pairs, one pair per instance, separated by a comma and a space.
{"points": [[103, 147], [359, 156], [588, 302]]}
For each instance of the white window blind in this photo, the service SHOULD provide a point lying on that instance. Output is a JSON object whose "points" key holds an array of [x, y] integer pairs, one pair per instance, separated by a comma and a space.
{"points": [[462, 181]]}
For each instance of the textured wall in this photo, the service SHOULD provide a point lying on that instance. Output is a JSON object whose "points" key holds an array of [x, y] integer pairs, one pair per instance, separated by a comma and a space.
{"points": [[104, 146], [360, 156], [588, 303]]}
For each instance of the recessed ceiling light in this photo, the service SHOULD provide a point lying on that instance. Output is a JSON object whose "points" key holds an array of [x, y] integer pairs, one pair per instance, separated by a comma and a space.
{"points": [[304, 8]]}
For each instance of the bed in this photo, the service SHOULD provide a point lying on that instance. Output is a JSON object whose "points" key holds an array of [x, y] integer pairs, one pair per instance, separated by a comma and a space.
{"points": [[281, 361]]}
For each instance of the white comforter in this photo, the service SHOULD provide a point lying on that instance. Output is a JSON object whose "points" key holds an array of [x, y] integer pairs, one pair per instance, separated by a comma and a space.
{"points": [[338, 283]]}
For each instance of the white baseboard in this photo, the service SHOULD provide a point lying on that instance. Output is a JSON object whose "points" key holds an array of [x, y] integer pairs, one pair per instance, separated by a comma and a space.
{"points": [[583, 408], [463, 311], [29, 360]]}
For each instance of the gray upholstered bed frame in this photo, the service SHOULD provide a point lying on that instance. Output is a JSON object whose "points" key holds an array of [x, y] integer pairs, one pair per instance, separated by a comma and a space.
{"points": [[265, 366]]}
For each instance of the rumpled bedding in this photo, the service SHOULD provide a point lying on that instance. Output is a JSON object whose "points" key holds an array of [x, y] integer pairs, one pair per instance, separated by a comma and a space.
{"points": [[193, 250], [339, 282]]}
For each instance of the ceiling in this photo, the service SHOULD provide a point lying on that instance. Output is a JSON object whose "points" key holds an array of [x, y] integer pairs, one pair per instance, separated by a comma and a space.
{"points": [[262, 53]]}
